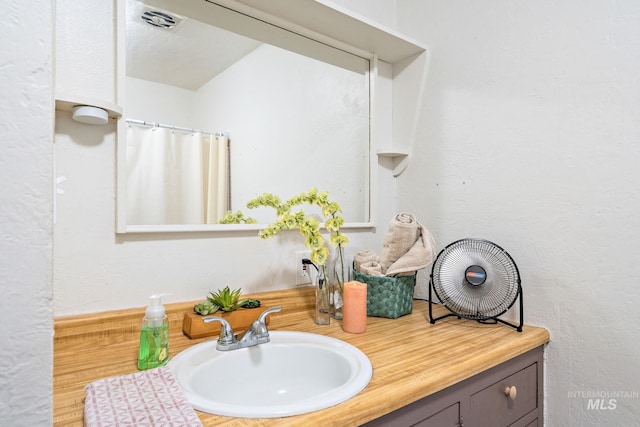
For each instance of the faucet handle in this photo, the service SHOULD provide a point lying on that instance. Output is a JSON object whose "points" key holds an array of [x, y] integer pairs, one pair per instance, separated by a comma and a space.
{"points": [[226, 332], [263, 317], [259, 327]]}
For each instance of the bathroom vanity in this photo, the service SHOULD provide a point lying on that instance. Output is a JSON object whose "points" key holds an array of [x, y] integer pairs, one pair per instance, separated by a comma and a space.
{"points": [[451, 373]]}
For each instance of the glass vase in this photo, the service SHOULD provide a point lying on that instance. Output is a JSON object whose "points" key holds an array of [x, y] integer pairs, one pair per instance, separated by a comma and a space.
{"points": [[338, 273], [321, 315]]}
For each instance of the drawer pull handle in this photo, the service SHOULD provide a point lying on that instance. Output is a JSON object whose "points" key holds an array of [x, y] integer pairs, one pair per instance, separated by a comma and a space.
{"points": [[511, 392]]}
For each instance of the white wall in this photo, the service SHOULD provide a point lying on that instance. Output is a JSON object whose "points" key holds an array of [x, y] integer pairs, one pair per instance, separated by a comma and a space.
{"points": [[383, 12], [77, 37], [146, 101], [26, 89], [528, 135]]}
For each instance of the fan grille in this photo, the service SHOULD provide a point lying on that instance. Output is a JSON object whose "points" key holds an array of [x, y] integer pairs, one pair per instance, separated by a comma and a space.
{"points": [[457, 278]]}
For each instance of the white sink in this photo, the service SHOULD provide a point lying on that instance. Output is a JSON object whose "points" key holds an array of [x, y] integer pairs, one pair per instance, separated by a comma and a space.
{"points": [[295, 373]]}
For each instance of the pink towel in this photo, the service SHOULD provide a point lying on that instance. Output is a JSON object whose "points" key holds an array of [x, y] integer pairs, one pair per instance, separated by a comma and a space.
{"points": [[147, 398]]}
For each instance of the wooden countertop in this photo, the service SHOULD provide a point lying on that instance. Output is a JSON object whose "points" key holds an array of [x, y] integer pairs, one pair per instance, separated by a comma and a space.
{"points": [[411, 358]]}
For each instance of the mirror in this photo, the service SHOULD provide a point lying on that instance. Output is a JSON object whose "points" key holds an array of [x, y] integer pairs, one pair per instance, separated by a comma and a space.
{"points": [[279, 113]]}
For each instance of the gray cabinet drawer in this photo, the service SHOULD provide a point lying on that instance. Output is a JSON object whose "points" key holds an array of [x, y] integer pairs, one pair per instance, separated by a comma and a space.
{"points": [[438, 412], [492, 407], [448, 417]]}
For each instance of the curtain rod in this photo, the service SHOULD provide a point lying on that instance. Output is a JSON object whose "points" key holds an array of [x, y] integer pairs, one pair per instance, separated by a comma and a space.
{"points": [[178, 128]]}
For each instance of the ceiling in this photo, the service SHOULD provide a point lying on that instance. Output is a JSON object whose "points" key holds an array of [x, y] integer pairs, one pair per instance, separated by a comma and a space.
{"points": [[186, 56]]}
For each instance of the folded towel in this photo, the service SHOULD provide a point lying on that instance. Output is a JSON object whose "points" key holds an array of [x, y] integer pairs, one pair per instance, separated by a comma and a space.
{"points": [[371, 268], [363, 257], [147, 398], [420, 255], [407, 247], [401, 236]]}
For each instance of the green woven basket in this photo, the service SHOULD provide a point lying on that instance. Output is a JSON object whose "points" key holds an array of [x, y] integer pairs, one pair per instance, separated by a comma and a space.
{"points": [[389, 297]]}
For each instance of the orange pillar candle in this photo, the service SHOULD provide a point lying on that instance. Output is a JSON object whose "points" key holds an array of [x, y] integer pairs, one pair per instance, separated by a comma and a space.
{"points": [[354, 312]]}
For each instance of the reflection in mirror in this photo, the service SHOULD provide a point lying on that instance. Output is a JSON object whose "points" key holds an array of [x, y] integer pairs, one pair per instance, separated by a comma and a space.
{"points": [[290, 121], [175, 175]]}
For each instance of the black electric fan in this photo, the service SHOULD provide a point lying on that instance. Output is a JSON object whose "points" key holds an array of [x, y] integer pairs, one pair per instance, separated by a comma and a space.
{"points": [[476, 279]]}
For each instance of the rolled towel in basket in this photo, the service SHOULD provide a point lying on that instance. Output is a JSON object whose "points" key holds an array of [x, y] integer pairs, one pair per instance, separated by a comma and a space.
{"points": [[420, 255], [371, 268], [401, 236], [407, 247], [364, 257]]}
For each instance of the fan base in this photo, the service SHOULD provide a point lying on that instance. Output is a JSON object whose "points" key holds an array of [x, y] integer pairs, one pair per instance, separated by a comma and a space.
{"points": [[488, 320]]}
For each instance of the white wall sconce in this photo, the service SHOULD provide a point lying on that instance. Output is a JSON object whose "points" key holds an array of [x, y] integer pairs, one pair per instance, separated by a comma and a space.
{"points": [[90, 115]]}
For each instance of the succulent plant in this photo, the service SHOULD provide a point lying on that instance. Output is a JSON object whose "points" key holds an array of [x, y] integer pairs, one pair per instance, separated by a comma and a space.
{"points": [[227, 299], [205, 308], [251, 303]]}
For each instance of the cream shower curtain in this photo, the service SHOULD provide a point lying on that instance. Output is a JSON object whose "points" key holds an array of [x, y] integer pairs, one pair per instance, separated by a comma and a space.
{"points": [[174, 177], [216, 177]]}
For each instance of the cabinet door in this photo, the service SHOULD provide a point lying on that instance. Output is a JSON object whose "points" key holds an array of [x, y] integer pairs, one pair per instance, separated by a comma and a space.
{"points": [[492, 407]]}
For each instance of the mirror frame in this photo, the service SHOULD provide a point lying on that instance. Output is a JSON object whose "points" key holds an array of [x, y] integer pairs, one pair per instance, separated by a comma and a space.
{"points": [[121, 222]]}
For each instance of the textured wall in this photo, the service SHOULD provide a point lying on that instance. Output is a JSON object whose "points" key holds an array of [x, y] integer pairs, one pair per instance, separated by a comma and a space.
{"points": [[85, 57], [383, 12], [529, 136], [26, 121]]}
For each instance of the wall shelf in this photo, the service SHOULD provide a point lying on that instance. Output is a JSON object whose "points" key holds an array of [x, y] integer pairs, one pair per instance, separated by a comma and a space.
{"points": [[399, 159], [392, 153], [66, 102]]}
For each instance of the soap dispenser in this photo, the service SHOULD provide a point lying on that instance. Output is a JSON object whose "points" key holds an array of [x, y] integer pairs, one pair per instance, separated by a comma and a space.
{"points": [[154, 336]]}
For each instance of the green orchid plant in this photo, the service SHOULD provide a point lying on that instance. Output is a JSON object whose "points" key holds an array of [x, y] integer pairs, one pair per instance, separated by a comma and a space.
{"points": [[236, 218], [309, 227]]}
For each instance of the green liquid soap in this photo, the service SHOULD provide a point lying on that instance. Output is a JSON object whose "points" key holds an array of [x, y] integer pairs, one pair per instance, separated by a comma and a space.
{"points": [[154, 346], [154, 336]]}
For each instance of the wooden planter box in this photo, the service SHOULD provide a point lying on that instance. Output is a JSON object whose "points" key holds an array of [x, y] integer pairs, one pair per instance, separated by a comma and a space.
{"points": [[240, 320]]}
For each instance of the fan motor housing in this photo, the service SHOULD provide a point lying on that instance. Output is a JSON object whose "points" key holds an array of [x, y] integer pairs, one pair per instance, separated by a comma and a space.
{"points": [[475, 275]]}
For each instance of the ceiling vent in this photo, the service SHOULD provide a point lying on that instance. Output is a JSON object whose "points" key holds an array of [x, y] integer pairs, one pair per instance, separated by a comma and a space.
{"points": [[161, 19]]}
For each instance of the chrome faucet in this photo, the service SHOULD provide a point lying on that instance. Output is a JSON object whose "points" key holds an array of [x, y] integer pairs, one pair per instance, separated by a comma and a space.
{"points": [[254, 335]]}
